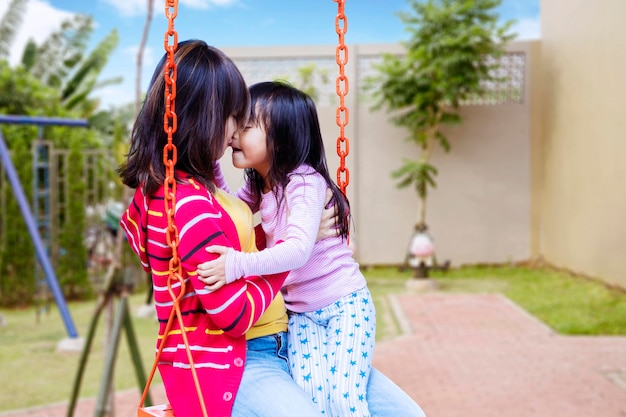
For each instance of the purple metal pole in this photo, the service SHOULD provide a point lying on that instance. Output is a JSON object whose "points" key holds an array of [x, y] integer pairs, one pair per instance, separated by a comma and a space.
{"points": [[42, 255], [42, 121]]}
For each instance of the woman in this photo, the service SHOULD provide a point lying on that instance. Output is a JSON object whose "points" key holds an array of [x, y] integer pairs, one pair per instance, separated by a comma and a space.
{"points": [[212, 102]]}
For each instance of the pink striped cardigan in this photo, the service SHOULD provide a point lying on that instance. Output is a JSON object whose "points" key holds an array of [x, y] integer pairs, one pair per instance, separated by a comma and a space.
{"points": [[216, 322]]}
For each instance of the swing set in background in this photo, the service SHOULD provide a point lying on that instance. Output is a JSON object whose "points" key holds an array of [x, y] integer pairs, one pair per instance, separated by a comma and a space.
{"points": [[36, 223], [169, 160]]}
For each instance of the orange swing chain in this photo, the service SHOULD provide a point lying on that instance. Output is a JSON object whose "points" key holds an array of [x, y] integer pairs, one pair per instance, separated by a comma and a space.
{"points": [[170, 125], [170, 156], [342, 114]]}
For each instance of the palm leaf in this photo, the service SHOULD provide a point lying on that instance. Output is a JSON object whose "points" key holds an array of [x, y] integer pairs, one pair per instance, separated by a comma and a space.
{"points": [[84, 79], [29, 56], [9, 25], [63, 50]]}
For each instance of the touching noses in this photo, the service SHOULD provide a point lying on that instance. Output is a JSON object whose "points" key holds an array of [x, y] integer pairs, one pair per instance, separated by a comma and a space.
{"points": [[235, 135]]}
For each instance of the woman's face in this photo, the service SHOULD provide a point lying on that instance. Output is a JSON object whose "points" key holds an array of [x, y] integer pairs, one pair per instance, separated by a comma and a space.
{"points": [[231, 129]]}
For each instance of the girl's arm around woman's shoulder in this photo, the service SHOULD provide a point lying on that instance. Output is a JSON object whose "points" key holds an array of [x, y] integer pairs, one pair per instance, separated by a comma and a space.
{"points": [[234, 307], [296, 222]]}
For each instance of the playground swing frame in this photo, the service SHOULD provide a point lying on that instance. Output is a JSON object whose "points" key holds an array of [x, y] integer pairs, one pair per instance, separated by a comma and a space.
{"points": [[27, 213]]}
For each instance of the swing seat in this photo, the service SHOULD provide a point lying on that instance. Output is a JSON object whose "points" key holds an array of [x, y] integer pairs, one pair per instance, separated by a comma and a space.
{"points": [[161, 410]]}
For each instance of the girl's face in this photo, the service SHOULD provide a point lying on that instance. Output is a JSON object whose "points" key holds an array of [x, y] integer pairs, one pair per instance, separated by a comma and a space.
{"points": [[250, 149], [230, 130]]}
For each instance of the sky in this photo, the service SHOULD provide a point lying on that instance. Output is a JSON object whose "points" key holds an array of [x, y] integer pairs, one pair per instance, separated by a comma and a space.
{"points": [[231, 23]]}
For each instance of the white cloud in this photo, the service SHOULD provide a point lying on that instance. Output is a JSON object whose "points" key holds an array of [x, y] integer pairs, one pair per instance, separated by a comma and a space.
{"points": [[138, 7], [124, 93], [128, 7], [527, 29], [40, 20], [148, 55], [115, 95]]}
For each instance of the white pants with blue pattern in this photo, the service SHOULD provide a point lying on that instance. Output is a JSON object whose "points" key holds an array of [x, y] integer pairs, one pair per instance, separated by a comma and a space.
{"points": [[330, 353]]}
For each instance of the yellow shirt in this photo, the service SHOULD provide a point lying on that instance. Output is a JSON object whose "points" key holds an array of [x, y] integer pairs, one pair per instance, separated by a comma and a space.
{"points": [[274, 319]]}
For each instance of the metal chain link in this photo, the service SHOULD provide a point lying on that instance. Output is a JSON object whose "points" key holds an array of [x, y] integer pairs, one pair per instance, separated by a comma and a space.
{"points": [[170, 156], [342, 115], [170, 125]]}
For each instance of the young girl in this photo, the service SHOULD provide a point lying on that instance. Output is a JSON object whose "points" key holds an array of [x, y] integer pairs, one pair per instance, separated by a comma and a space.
{"points": [[332, 320], [212, 102]]}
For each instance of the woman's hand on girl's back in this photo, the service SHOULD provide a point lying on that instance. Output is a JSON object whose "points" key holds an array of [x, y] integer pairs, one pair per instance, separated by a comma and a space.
{"points": [[329, 219]]}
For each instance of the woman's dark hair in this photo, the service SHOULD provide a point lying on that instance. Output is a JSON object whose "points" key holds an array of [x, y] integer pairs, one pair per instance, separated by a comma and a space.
{"points": [[293, 135], [209, 89]]}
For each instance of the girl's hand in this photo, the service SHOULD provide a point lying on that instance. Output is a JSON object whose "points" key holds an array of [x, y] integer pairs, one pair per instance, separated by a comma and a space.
{"points": [[213, 273]]}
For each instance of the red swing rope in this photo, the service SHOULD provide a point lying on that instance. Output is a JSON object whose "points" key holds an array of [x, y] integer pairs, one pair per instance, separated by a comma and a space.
{"points": [[170, 125], [342, 115]]}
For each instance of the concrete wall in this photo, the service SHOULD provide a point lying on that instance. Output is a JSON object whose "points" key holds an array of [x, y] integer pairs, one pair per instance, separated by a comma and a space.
{"points": [[541, 177], [582, 194], [481, 208]]}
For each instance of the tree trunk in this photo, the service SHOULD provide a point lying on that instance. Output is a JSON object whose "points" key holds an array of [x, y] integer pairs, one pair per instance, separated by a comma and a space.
{"points": [[426, 153], [140, 51]]}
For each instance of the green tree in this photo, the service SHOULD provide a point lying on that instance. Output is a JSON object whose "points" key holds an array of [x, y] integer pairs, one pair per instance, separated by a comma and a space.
{"points": [[72, 264], [21, 93], [63, 61], [17, 257], [9, 25], [54, 79], [309, 79], [454, 48]]}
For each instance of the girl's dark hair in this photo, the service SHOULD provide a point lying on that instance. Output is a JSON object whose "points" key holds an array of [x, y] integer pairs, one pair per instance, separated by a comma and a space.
{"points": [[293, 135], [209, 89]]}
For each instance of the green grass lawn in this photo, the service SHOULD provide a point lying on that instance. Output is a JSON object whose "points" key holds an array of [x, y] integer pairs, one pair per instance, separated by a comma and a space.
{"points": [[569, 305], [34, 373]]}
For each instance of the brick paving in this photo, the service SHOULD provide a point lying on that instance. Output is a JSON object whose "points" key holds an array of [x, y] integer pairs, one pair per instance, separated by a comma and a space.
{"points": [[474, 355], [482, 355]]}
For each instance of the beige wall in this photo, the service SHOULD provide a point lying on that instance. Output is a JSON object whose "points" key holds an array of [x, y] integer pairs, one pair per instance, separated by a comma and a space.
{"points": [[583, 197], [542, 178], [481, 209]]}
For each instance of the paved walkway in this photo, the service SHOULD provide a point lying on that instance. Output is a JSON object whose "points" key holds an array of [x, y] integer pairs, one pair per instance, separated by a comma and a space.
{"points": [[475, 355]]}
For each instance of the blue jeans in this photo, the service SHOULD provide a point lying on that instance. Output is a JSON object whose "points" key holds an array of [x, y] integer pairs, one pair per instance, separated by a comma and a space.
{"points": [[267, 389], [386, 399]]}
